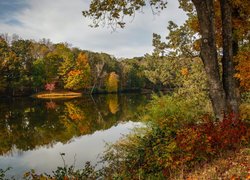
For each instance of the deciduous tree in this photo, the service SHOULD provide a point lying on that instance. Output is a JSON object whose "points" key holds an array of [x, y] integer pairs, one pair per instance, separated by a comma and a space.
{"points": [[222, 93], [112, 82], [79, 78]]}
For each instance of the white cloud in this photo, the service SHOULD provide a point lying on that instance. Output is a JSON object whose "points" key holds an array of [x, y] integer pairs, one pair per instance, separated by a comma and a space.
{"points": [[62, 21]]}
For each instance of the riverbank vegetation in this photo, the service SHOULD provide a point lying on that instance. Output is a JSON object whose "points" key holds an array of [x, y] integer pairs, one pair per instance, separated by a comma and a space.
{"points": [[203, 70], [179, 141], [193, 125]]}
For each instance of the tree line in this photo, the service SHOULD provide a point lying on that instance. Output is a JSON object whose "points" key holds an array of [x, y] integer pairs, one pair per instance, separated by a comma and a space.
{"points": [[28, 66]]}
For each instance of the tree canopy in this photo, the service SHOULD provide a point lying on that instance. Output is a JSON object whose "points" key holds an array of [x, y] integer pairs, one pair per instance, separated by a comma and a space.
{"points": [[216, 22]]}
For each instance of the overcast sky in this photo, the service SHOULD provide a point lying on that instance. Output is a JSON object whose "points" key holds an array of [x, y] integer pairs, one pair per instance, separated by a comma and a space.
{"points": [[62, 21]]}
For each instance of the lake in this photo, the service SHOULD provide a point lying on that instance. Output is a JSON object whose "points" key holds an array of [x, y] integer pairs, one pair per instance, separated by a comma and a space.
{"points": [[33, 132]]}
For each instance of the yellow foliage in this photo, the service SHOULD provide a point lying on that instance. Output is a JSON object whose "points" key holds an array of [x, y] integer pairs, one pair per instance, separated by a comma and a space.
{"points": [[112, 84], [80, 77], [194, 24], [245, 111], [197, 45], [74, 112], [113, 104]]}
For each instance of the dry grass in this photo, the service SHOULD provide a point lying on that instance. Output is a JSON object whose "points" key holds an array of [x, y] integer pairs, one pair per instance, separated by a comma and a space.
{"points": [[57, 95], [233, 166]]}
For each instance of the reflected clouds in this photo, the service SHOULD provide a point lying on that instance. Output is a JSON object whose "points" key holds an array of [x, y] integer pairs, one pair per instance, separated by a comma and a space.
{"points": [[34, 132], [84, 148]]}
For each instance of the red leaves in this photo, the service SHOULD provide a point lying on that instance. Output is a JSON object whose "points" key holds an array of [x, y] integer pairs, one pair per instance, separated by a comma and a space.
{"points": [[50, 86], [206, 139], [227, 134]]}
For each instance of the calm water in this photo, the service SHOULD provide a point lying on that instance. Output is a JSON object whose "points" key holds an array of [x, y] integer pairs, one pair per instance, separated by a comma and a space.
{"points": [[34, 132]]}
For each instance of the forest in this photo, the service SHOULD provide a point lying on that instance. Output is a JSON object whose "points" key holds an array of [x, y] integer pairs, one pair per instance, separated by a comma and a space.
{"points": [[28, 66], [197, 120]]}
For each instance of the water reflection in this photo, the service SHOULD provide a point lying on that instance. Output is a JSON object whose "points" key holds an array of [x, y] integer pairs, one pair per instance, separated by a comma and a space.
{"points": [[27, 124], [32, 127], [81, 149]]}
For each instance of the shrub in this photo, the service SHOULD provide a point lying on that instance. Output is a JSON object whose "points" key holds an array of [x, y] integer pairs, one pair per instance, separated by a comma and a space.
{"points": [[172, 111], [66, 173], [203, 141], [163, 150]]}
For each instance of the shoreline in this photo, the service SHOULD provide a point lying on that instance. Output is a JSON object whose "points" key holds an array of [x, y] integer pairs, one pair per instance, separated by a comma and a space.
{"points": [[56, 95]]}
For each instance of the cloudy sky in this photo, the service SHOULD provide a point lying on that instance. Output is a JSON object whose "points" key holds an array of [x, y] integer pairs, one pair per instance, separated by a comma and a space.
{"points": [[62, 21]]}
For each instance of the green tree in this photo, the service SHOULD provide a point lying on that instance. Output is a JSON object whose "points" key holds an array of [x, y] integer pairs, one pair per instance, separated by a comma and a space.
{"points": [[68, 60], [52, 62], [10, 68], [3, 58], [38, 74], [159, 70], [159, 45], [22, 49], [80, 77], [113, 12], [101, 65], [131, 76]]}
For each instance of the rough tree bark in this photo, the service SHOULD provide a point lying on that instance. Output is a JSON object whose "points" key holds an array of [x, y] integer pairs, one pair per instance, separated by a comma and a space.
{"points": [[205, 13], [229, 82], [235, 15]]}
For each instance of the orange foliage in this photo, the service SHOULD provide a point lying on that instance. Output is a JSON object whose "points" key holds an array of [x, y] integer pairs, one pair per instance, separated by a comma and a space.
{"points": [[84, 129], [75, 117], [243, 69], [184, 71], [74, 73], [240, 20]]}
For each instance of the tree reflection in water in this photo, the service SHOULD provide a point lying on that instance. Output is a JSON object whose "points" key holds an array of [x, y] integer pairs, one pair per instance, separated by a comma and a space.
{"points": [[28, 124]]}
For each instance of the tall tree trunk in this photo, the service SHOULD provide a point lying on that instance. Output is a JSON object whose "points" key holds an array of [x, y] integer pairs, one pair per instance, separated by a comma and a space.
{"points": [[236, 14], [229, 82], [205, 13], [100, 68]]}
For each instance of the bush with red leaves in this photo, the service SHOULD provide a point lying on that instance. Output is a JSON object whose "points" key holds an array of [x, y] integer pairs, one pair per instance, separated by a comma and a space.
{"points": [[202, 141]]}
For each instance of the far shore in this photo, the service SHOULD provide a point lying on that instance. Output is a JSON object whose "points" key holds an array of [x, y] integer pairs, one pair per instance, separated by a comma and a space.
{"points": [[57, 95]]}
